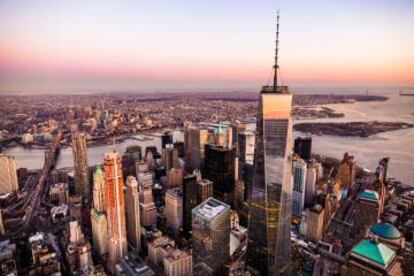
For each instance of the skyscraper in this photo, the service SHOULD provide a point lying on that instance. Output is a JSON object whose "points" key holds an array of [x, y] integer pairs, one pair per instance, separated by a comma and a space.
{"points": [[189, 200], [166, 138], [8, 174], [268, 246], [174, 209], [99, 198], [115, 208], [133, 220], [303, 147], [299, 185], [219, 167], [80, 163], [211, 234]]}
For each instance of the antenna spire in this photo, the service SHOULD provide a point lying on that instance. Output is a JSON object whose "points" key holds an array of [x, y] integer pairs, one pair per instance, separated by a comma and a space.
{"points": [[276, 66]]}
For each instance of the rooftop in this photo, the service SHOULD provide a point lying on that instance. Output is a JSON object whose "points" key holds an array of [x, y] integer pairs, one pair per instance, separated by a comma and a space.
{"points": [[275, 89], [375, 252], [369, 195], [210, 208], [386, 231]]}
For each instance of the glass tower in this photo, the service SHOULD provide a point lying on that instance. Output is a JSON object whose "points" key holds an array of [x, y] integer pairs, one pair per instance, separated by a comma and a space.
{"points": [[268, 248]]}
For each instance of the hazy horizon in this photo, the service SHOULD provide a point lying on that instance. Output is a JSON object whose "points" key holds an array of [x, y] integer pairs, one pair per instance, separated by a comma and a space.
{"points": [[62, 47]]}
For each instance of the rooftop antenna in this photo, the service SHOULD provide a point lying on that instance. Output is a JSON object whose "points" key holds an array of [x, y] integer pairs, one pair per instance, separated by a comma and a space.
{"points": [[276, 66]]}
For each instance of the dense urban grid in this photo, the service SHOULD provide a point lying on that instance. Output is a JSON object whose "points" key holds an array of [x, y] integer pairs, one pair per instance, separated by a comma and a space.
{"points": [[237, 195]]}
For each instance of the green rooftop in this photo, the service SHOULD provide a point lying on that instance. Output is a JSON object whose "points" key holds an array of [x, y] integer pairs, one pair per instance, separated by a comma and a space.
{"points": [[98, 170], [369, 195], [376, 252], [386, 231]]}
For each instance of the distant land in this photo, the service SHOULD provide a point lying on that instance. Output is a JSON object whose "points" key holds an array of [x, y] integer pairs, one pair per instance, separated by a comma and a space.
{"points": [[354, 129]]}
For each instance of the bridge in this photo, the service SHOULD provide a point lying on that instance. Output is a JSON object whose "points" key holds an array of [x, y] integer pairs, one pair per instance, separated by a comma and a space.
{"points": [[30, 204]]}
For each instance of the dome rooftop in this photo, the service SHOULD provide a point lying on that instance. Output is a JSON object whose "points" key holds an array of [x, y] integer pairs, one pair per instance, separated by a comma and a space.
{"points": [[386, 231]]}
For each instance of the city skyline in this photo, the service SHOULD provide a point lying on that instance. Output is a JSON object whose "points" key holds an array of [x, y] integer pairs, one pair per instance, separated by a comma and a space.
{"points": [[55, 47]]}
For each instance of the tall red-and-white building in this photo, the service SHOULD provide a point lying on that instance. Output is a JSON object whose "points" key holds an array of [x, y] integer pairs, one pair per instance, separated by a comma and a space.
{"points": [[115, 205]]}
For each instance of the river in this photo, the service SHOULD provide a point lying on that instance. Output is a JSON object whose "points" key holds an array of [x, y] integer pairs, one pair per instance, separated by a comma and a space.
{"points": [[398, 145]]}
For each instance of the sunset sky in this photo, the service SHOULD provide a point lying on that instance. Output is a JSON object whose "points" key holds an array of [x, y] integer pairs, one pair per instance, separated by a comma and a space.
{"points": [[96, 45]]}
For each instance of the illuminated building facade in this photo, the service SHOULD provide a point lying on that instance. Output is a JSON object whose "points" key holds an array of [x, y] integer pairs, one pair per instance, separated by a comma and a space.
{"points": [[80, 163], [115, 208]]}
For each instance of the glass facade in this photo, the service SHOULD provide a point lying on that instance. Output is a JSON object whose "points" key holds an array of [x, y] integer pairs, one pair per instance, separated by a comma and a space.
{"points": [[268, 248]]}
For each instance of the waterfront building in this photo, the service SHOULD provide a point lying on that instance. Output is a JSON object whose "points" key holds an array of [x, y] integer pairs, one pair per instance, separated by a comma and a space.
{"points": [[211, 234], [314, 223], [246, 146], [133, 220], [115, 208], [303, 147], [370, 257], [174, 209], [347, 171], [8, 174], [299, 185], [80, 163], [189, 200], [204, 190], [268, 245], [219, 167]]}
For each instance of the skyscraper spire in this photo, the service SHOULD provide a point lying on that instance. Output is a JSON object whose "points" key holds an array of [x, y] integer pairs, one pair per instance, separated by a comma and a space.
{"points": [[276, 66]]}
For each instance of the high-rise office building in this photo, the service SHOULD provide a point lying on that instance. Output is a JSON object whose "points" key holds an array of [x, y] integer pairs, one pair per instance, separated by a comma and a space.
{"points": [[148, 210], [189, 200], [8, 174], [246, 146], [268, 245], [169, 157], [303, 147], [99, 219], [115, 208], [99, 231], [180, 147], [166, 138], [299, 185], [80, 163], [133, 220], [211, 234], [219, 167], [314, 223], [347, 171], [132, 155], [174, 209], [99, 191], [175, 178], [204, 190], [310, 185], [195, 138]]}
